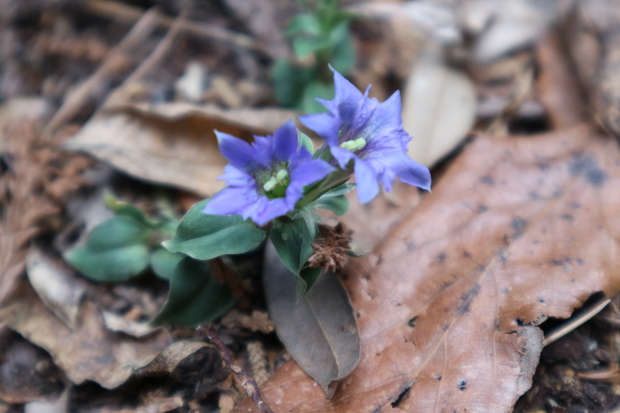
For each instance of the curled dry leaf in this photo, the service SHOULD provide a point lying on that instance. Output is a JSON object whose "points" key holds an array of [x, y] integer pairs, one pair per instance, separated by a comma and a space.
{"points": [[56, 284], [171, 144], [517, 230]]}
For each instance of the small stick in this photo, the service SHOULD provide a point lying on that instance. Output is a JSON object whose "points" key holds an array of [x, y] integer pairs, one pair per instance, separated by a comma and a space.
{"points": [[116, 59], [246, 379], [575, 322], [121, 11]]}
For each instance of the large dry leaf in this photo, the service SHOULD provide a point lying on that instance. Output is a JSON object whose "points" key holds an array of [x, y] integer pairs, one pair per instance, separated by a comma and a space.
{"points": [[517, 230], [171, 144]]}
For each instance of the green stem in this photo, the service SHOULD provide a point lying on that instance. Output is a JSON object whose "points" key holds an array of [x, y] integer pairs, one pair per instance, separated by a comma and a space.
{"points": [[332, 181]]}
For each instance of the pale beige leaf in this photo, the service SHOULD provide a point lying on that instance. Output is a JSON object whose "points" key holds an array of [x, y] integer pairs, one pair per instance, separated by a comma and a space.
{"points": [[56, 284], [439, 108], [171, 144]]}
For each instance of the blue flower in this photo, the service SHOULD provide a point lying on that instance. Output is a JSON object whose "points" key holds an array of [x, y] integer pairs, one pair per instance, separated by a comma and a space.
{"points": [[266, 179], [360, 128]]}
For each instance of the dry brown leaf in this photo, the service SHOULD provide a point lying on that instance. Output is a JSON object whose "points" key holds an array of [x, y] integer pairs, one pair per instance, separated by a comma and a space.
{"points": [[516, 231], [89, 352], [171, 144]]}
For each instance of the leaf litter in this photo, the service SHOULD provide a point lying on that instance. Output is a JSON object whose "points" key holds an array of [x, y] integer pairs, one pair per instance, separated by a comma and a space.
{"points": [[437, 325]]}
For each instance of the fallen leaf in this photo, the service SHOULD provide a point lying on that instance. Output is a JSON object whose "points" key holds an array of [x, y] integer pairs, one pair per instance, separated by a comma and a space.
{"points": [[171, 144], [169, 359], [371, 222], [439, 108], [517, 230], [56, 284], [319, 329], [89, 352]]}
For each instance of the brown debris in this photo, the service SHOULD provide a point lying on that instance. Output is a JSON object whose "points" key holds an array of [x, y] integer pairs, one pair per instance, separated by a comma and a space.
{"points": [[257, 321], [331, 248], [32, 190], [245, 378]]}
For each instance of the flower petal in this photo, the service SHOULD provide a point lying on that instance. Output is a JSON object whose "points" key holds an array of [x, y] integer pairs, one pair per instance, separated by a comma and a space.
{"points": [[366, 180], [236, 177], [411, 172], [343, 156], [229, 201], [285, 141], [310, 172], [238, 152], [325, 125]]}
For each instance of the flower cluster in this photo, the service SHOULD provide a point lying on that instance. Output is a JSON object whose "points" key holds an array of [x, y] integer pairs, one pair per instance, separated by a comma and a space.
{"points": [[363, 137], [265, 180]]}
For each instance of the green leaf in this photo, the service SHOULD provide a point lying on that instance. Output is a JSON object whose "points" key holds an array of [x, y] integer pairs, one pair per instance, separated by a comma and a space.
{"points": [[289, 81], [334, 199], [112, 265], [305, 23], [305, 141], [343, 55], [303, 46], [205, 237], [163, 262], [116, 232], [292, 239], [195, 298], [127, 210], [313, 90]]}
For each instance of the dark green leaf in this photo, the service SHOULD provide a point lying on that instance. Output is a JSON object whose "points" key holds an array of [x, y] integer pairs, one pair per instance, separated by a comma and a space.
{"points": [[112, 265], [204, 237], [318, 330], [195, 298], [289, 81], [116, 232], [343, 56], [292, 240], [334, 199], [163, 262]]}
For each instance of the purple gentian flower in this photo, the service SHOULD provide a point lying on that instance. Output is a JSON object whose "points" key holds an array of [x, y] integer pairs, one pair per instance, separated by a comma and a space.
{"points": [[371, 133], [266, 179]]}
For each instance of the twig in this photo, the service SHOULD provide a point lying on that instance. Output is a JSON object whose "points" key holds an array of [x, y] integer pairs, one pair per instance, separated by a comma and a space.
{"points": [[125, 12], [158, 53], [117, 58], [575, 322], [246, 379]]}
